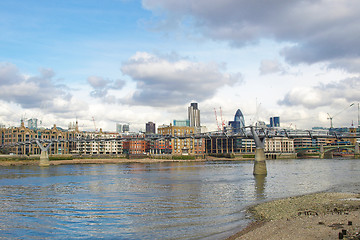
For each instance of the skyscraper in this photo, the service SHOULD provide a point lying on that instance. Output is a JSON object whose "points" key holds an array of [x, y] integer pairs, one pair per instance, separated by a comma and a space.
{"points": [[239, 117], [275, 122], [194, 115], [33, 123], [238, 123], [126, 128], [118, 128], [122, 128]]}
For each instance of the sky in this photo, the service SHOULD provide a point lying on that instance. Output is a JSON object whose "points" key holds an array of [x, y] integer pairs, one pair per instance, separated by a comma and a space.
{"points": [[131, 61]]}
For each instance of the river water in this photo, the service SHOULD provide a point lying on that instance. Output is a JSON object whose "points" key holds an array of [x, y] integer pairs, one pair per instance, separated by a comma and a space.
{"points": [[174, 200]]}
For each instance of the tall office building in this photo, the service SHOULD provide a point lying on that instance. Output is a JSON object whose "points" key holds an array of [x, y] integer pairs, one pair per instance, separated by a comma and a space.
{"points": [[194, 115], [238, 123], [122, 128], [118, 128], [150, 128], [32, 123], [126, 128], [275, 122]]}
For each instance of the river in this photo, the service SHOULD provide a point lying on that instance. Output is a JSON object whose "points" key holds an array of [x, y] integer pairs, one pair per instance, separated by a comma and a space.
{"points": [[173, 200]]}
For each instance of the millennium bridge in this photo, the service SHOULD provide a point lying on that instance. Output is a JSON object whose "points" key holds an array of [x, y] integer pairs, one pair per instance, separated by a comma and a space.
{"points": [[258, 134]]}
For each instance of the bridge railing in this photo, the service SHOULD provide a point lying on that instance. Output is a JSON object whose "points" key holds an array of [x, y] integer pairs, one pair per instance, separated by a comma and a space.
{"points": [[245, 133]]}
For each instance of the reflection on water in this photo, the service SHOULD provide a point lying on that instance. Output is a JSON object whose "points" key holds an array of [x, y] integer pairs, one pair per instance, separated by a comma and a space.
{"points": [[202, 200], [260, 181]]}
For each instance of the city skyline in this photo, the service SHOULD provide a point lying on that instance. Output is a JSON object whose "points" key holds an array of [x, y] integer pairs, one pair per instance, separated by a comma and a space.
{"points": [[146, 61]]}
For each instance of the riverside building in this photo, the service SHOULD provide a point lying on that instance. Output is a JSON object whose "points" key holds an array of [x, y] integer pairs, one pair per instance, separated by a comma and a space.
{"points": [[102, 144], [183, 141], [150, 128], [14, 135], [238, 145]]}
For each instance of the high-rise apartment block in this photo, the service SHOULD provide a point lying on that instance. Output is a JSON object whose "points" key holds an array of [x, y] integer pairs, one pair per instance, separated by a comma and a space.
{"points": [[194, 115], [150, 128]]}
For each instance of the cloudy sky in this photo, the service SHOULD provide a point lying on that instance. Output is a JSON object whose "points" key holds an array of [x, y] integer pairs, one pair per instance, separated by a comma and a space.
{"points": [[133, 61]]}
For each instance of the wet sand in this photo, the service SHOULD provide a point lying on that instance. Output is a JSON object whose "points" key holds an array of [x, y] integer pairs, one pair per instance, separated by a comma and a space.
{"points": [[314, 216]]}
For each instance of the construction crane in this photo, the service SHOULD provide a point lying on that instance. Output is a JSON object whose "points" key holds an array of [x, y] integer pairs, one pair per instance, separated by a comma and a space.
{"points": [[331, 117], [222, 121], [94, 124], [217, 123]]}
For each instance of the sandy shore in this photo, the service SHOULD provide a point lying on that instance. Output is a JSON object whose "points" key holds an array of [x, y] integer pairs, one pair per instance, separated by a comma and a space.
{"points": [[314, 216]]}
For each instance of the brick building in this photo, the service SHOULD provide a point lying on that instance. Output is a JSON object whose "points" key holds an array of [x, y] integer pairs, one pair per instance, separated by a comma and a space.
{"points": [[183, 139]]}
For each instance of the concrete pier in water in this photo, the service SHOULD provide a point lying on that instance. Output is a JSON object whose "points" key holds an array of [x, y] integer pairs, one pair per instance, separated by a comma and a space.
{"points": [[260, 159], [322, 151], [356, 150], [44, 156]]}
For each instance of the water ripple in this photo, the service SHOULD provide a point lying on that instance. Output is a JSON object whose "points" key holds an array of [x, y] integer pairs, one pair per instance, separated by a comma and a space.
{"points": [[202, 200]]}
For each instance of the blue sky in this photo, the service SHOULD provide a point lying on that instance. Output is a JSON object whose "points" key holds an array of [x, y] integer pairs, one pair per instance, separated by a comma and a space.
{"points": [[138, 61], [70, 35]]}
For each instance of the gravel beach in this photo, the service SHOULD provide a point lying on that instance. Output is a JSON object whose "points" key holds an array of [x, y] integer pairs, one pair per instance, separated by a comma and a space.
{"points": [[314, 216]]}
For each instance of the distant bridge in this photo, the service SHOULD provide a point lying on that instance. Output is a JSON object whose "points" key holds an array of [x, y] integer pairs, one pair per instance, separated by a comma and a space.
{"points": [[327, 148]]}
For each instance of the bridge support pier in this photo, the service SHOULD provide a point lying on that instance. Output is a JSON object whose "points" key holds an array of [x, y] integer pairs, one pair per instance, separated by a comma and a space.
{"points": [[44, 159], [329, 155], [322, 152], [356, 150], [260, 163], [44, 156]]}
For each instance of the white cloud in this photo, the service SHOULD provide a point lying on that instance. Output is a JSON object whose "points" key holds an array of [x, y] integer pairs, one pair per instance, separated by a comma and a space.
{"points": [[319, 31], [37, 92], [345, 92], [270, 66], [97, 82], [101, 87], [163, 82], [30, 92]]}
